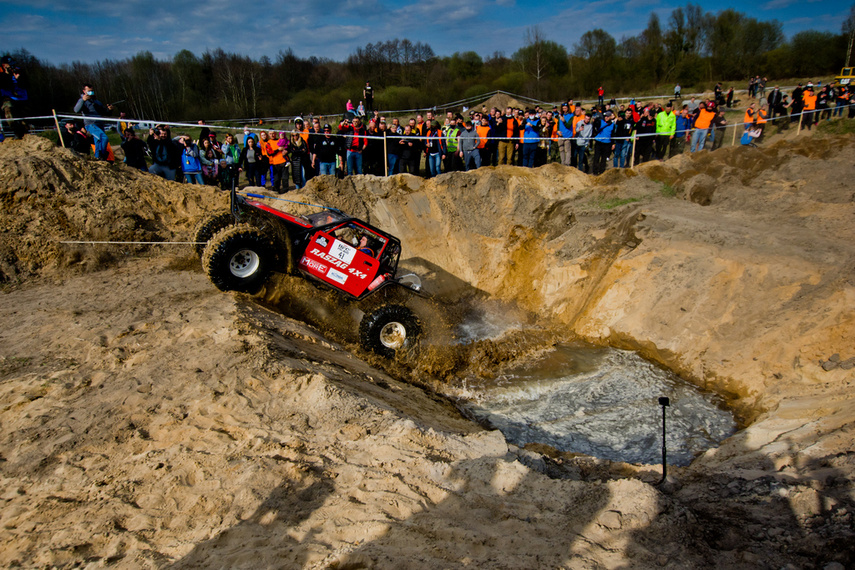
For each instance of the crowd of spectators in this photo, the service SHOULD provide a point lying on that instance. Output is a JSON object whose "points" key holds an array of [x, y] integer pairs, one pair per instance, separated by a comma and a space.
{"points": [[428, 144]]}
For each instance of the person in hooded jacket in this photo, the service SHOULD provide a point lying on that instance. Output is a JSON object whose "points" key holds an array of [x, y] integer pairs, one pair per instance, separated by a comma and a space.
{"points": [[603, 145]]}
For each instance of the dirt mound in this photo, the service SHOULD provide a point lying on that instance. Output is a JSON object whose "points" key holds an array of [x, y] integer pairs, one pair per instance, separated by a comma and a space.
{"points": [[501, 101], [50, 195]]}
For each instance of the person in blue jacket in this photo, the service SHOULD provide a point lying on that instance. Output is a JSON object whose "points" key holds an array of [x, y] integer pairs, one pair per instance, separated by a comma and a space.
{"points": [[531, 136]]}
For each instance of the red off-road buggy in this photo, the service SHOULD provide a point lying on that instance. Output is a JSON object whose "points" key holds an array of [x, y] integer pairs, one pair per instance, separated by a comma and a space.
{"points": [[240, 248]]}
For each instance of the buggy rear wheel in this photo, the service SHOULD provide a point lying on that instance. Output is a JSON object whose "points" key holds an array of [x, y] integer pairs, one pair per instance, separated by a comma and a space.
{"points": [[238, 258], [208, 227]]}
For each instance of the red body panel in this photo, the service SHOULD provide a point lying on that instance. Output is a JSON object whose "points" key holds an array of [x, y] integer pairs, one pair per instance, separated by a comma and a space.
{"points": [[339, 264], [280, 213]]}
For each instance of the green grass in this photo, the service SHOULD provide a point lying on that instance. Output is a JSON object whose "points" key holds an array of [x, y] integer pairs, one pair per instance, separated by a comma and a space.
{"points": [[613, 203], [837, 126], [667, 190]]}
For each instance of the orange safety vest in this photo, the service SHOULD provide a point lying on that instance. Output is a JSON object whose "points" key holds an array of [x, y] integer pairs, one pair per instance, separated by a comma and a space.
{"points": [[483, 131], [761, 116], [810, 101], [510, 128], [749, 116], [704, 119], [270, 148]]}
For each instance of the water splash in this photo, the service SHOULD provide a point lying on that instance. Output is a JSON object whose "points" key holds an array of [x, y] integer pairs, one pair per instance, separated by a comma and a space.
{"points": [[601, 402]]}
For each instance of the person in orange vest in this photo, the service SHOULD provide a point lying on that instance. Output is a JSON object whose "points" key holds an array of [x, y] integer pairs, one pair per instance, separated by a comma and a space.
{"points": [[704, 118], [483, 129], [277, 155], [749, 118], [809, 112], [507, 144]]}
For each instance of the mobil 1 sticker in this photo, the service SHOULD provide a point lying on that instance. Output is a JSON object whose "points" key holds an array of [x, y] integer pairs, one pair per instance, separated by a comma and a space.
{"points": [[342, 251], [337, 276]]}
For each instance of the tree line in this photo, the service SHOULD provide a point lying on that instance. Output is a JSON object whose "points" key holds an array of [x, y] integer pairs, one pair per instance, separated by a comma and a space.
{"points": [[693, 48]]}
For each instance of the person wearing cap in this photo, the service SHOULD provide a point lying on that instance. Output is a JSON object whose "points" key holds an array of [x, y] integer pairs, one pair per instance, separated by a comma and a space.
{"points": [[809, 113], [719, 125], [316, 133], [603, 145], [702, 123], [66, 134], [326, 149]]}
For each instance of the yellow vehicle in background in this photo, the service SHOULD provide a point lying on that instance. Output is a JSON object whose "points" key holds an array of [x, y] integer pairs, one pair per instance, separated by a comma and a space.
{"points": [[847, 74]]}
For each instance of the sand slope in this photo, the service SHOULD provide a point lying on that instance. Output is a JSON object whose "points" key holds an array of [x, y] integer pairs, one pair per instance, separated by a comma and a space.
{"points": [[148, 420]]}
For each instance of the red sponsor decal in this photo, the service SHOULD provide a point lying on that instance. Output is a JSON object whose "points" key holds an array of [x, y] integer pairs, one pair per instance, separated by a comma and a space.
{"points": [[313, 265]]}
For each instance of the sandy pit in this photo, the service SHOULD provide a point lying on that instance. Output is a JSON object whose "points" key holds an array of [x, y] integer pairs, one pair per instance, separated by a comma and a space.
{"points": [[148, 420]]}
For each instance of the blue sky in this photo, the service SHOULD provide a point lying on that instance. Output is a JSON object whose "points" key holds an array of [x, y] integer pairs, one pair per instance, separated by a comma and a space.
{"points": [[63, 31]]}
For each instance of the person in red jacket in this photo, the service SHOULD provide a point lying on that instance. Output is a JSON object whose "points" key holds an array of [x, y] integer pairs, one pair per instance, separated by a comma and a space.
{"points": [[355, 144]]}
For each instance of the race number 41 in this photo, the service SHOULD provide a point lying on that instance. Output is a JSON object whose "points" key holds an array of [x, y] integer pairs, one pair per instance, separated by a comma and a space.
{"points": [[342, 251]]}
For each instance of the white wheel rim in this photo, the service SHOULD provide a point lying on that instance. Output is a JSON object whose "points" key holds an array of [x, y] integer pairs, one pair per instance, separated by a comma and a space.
{"points": [[393, 335], [244, 263]]}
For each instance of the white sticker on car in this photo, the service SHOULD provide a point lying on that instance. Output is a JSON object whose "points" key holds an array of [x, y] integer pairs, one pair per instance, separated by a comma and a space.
{"points": [[337, 276], [342, 251]]}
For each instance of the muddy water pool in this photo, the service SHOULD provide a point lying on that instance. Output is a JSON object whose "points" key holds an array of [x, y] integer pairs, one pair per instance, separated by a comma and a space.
{"points": [[599, 401]]}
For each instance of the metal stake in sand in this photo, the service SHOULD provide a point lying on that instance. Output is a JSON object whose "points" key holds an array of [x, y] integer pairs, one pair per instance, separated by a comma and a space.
{"points": [[664, 402]]}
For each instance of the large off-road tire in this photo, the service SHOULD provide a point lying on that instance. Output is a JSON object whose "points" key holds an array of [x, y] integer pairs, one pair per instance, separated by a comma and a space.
{"points": [[389, 329], [238, 258], [208, 228]]}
